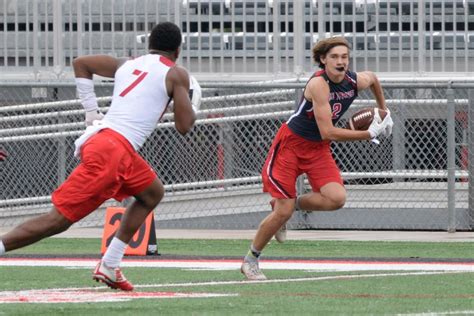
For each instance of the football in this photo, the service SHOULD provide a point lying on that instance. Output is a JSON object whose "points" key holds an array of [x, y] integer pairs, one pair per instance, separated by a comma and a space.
{"points": [[362, 119]]}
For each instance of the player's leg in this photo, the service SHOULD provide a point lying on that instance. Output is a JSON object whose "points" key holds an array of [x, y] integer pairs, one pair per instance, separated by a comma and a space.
{"points": [[279, 175], [35, 229], [142, 183], [331, 196], [81, 193], [325, 178], [269, 226], [282, 211], [280, 235], [108, 269], [137, 212]]}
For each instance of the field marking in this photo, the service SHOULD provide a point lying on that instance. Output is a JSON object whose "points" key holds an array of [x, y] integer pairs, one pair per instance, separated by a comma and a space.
{"points": [[289, 280], [225, 264], [96, 294], [88, 296], [471, 312], [246, 282]]}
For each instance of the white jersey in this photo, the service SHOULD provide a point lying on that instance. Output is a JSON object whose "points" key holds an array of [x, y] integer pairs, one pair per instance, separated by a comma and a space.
{"points": [[139, 101]]}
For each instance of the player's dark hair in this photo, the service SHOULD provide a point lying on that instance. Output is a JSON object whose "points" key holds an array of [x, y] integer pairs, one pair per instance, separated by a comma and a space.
{"points": [[324, 46], [165, 36]]}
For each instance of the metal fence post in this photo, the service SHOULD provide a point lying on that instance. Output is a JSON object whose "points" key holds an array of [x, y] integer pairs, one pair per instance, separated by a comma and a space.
{"points": [[470, 141], [298, 38], [421, 38], [58, 46], [398, 136], [451, 159]]}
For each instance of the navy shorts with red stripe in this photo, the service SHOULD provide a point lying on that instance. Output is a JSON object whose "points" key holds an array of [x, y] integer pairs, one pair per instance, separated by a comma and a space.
{"points": [[292, 155]]}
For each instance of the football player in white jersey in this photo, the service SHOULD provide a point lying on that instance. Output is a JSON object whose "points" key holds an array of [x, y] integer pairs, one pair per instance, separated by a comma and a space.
{"points": [[110, 166]]}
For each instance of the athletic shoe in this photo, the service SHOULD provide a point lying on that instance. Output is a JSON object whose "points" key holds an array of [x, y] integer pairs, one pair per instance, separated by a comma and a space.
{"points": [[111, 277], [251, 271], [280, 235]]}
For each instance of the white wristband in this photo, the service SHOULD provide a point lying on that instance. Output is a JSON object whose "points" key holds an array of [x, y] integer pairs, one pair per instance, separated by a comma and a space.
{"points": [[85, 91]]}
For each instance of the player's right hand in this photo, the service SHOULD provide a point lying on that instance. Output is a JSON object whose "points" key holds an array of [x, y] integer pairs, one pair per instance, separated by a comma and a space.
{"points": [[3, 155], [92, 116], [378, 127]]}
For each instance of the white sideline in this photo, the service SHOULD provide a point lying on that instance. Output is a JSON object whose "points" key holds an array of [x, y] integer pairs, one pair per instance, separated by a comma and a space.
{"points": [[234, 264]]}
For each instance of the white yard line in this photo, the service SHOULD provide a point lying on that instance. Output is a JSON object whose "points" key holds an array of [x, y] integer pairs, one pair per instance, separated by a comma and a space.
{"points": [[316, 265], [97, 294], [471, 312]]}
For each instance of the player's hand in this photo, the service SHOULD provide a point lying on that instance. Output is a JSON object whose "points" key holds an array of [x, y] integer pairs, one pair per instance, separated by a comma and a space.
{"points": [[388, 130], [92, 116], [195, 93], [3, 155], [378, 127]]}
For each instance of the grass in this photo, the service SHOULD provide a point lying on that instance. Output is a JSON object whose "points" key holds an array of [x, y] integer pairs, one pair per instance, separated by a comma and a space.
{"points": [[304, 249], [378, 295]]}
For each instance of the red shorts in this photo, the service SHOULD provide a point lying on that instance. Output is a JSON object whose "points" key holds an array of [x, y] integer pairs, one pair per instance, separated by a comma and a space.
{"points": [[109, 168], [292, 155]]}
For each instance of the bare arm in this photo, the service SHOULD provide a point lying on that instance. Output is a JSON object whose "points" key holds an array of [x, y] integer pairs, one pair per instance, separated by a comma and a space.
{"points": [[177, 84], [367, 79], [102, 65], [317, 91]]}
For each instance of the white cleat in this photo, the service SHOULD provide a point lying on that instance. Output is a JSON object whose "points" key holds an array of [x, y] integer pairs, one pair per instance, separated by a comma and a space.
{"points": [[252, 271], [112, 277], [280, 235]]}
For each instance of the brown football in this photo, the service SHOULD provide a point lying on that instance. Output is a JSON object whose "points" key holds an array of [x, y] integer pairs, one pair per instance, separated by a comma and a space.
{"points": [[362, 119]]}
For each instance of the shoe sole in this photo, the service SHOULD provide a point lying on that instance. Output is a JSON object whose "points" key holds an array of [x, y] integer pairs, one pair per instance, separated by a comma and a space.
{"points": [[250, 279], [101, 279], [113, 286]]}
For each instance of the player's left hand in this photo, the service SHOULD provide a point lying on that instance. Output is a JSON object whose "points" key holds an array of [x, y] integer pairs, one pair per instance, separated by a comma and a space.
{"points": [[94, 115], [388, 128], [3, 155], [195, 93]]}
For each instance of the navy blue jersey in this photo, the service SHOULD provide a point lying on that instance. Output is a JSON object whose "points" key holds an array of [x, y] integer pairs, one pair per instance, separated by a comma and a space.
{"points": [[341, 96]]}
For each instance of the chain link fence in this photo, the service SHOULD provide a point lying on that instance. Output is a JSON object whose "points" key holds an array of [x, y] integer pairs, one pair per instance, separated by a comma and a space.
{"points": [[417, 179]]}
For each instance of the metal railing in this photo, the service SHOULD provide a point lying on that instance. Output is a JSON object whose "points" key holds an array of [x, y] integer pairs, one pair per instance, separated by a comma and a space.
{"points": [[417, 179]]}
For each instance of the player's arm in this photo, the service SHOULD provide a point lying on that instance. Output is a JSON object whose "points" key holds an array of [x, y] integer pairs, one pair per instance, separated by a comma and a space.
{"points": [[177, 84], [84, 69], [101, 65], [317, 91], [367, 79]]}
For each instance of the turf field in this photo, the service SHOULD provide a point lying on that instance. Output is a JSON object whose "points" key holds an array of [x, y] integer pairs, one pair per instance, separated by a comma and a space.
{"points": [[201, 277]]}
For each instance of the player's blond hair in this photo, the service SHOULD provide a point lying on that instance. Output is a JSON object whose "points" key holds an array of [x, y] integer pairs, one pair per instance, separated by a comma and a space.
{"points": [[324, 46]]}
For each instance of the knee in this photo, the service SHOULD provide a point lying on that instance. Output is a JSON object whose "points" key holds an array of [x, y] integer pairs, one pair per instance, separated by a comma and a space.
{"points": [[57, 223], [337, 201], [284, 209], [153, 197]]}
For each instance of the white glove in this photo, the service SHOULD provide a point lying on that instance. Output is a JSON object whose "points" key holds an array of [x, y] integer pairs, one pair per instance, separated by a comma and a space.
{"points": [[388, 130], [92, 116], [378, 126], [195, 93]]}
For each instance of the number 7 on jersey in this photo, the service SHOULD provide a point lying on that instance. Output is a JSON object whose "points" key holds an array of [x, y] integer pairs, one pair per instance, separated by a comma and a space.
{"points": [[141, 75]]}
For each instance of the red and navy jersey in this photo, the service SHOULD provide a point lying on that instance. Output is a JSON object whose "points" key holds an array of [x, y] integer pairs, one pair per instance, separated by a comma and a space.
{"points": [[341, 96]]}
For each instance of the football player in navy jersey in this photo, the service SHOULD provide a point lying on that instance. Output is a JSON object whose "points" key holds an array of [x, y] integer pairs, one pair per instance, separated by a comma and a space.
{"points": [[302, 145]]}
